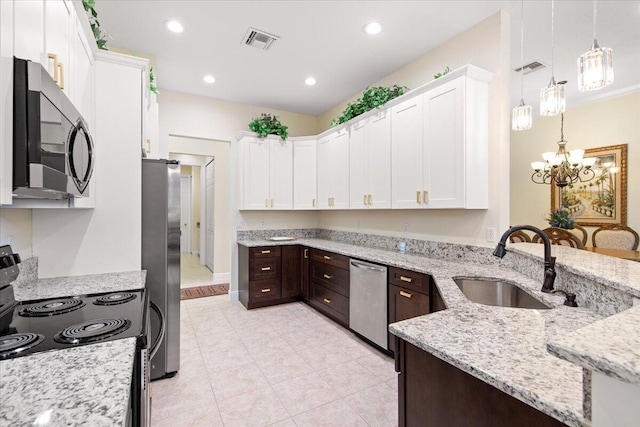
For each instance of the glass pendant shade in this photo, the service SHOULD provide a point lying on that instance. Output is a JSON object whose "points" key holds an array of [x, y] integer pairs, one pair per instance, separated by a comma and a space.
{"points": [[522, 117], [552, 100], [595, 68]]}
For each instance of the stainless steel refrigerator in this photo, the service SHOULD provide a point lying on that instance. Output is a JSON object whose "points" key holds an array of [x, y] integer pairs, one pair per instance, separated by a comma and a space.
{"points": [[161, 259]]}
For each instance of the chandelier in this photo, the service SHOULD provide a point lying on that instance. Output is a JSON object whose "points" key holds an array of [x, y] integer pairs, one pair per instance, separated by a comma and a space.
{"points": [[563, 168]]}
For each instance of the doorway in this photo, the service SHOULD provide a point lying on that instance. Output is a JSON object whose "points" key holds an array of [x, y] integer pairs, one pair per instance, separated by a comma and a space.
{"points": [[209, 212], [185, 213]]}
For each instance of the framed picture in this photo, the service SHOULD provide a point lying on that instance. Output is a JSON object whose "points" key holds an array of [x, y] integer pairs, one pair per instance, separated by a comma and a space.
{"points": [[603, 199]]}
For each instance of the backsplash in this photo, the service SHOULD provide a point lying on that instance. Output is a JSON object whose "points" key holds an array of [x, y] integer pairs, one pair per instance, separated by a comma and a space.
{"points": [[28, 272], [301, 233]]}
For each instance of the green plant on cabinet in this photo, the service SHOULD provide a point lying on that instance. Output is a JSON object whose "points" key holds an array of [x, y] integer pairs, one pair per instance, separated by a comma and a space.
{"points": [[372, 97], [267, 124], [100, 36]]}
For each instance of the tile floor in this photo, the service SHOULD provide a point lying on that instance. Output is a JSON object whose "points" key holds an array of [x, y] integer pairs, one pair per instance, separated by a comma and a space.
{"points": [[192, 273], [285, 365]]}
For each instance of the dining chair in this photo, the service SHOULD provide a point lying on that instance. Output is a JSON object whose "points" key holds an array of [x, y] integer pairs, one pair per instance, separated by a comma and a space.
{"points": [[615, 237], [580, 233], [519, 237], [560, 236]]}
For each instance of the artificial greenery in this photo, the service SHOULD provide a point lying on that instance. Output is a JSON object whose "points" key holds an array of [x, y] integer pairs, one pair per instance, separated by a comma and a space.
{"points": [[561, 218], [267, 124], [372, 97], [152, 82], [438, 75], [89, 7]]}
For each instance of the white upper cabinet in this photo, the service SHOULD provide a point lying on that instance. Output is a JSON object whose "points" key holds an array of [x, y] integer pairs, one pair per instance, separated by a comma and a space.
{"points": [[59, 22], [28, 20], [333, 170], [304, 174], [266, 173], [406, 154], [82, 61], [370, 162]]}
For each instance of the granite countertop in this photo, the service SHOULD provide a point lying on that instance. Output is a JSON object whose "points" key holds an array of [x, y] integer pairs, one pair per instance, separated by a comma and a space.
{"points": [[86, 385], [504, 347], [57, 287]]}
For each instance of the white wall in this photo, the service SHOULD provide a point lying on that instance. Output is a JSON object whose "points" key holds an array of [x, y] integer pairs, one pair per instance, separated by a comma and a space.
{"points": [[485, 45], [610, 122], [107, 238]]}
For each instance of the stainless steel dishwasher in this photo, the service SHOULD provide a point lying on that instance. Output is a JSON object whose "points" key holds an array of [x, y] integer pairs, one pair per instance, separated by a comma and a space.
{"points": [[368, 301]]}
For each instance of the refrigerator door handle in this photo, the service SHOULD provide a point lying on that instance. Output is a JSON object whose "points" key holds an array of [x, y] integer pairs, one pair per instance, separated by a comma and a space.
{"points": [[156, 345]]}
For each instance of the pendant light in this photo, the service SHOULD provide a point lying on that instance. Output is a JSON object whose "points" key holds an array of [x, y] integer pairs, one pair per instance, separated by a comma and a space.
{"points": [[595, 68], [552, 101], [522, 116]]}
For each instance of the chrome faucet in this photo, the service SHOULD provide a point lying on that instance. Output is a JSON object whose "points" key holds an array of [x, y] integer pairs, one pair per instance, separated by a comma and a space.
{"points": [[549, 261]]}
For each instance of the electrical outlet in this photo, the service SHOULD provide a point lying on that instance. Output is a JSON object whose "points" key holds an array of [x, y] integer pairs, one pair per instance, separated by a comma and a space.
{"points": [[263, 222], [491, 234], [10, 240], [405, 227], [240, 224]]}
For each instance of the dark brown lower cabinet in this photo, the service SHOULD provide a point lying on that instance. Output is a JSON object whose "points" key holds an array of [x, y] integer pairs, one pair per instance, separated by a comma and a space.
{"points": [[290, 271], [304, 272], [434, 393]]}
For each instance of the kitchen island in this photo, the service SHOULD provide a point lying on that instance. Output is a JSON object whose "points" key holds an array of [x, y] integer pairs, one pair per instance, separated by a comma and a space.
{"points": [[503, 347], [84, 385]]}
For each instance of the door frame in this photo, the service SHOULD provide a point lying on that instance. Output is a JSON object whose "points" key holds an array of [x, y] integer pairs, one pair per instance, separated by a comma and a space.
{"points": [[189, 229], [207, 204]]}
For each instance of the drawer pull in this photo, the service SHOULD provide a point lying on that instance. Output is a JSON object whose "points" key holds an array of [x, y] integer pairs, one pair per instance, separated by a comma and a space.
{"points": [[327, 300], [306, 253], [406, 279], [425, 197], [405, 294], [266, 252], [418, 197], [326, 257], [266, 268], [326, 276], [265, 290]]}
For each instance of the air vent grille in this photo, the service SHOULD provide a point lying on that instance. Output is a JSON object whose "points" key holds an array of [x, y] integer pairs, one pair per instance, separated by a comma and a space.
{"points": [[259, 39], [530, 68]]}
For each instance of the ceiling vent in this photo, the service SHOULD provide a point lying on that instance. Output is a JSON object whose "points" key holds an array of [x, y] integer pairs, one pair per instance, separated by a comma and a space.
{"points": [[530, 68], [259, 39]]}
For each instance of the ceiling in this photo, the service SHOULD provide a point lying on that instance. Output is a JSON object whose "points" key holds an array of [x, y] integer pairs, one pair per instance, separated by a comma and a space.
{"points": [[324, 39]]}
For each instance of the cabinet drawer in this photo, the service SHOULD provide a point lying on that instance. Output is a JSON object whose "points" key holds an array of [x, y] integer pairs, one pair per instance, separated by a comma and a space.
{"points": [[404, 304], [330, 302], [264, 290], [417, 282], [331, 277], [264, 252], [330, 258], [264, 268]]}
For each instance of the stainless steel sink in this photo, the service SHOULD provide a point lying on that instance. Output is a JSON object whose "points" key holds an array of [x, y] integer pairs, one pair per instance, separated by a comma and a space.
{"points": [[497, 293]]}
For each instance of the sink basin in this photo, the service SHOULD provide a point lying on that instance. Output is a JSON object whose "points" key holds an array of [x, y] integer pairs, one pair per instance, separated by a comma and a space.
{"points": [[498, 293]]}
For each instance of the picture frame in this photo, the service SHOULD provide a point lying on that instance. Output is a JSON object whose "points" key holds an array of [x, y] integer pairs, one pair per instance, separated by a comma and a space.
{"points": [[603, 199]]}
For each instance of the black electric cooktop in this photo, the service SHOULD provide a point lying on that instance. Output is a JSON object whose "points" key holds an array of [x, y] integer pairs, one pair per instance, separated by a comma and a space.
{"points": [[59, 323]]}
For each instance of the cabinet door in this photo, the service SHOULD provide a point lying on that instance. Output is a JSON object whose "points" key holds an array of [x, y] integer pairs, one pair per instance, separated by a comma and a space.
{"points": [[443, 150], [304, 272], [340, 170], [280, 174], [29, 30], [82, 72], [255, 173], [359, 165], [405, 304], [406, 154], [379, 165], [304, 174], [58, 21], [325, 178], [291, 266]]}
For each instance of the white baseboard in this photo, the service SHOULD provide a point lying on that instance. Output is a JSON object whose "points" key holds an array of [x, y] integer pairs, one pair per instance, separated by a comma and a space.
{"points": [[196, 253], [234, 295], [221, 278]]}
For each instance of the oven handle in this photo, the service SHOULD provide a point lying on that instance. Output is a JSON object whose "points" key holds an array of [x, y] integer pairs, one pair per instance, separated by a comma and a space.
{"points": [[156, 345]]}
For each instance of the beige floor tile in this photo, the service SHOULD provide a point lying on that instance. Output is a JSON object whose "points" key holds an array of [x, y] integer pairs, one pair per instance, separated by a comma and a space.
{"points": [[232, 382], [382, 366], [376, 405], [261, 345], [189, 348], [333, 414], [225, 355], [203, 413], [257, 408], [303, 393], [393, 384], [348, 378], [279, 367], [354, 346], [322, 356], [192, 273], [171, 398], [284, 423]]}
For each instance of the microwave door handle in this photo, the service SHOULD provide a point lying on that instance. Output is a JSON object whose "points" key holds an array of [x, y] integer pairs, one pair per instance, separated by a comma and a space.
{"points": [[156, 345]]}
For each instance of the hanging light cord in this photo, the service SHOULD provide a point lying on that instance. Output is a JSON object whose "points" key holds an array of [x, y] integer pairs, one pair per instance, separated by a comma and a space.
{"points": [[595, 12], [561, 126], [552, 8], [522, 52]]}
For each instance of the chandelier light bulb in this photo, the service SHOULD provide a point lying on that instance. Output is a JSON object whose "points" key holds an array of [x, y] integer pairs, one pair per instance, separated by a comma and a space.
{"points": [[522, 117], [552, 99]]}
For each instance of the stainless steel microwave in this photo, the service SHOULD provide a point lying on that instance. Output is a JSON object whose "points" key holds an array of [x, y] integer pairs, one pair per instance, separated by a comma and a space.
{"points": [[53, 153]]}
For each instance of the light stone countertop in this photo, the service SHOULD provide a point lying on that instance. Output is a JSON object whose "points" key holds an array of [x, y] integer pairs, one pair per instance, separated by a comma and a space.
{"points": [[58, 287], [504, 347], [81, 386]]}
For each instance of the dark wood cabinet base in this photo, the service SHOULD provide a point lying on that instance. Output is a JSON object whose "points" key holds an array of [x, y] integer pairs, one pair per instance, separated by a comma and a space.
{"points": [[432, 392]]}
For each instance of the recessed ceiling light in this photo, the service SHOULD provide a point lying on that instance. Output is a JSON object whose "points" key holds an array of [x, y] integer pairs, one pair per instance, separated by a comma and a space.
{"points": [[372, 28], [174, 26], [310, 81], [209, 79]]}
